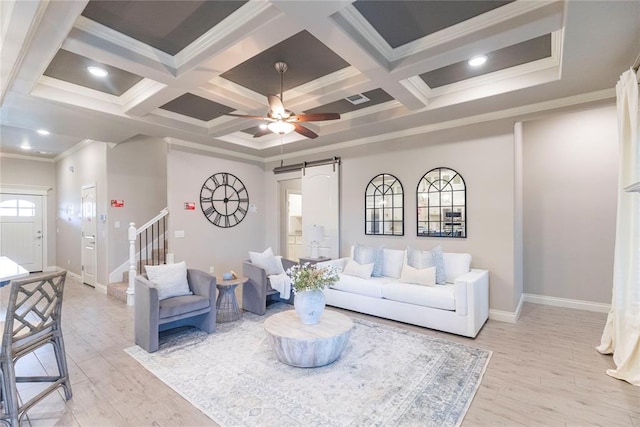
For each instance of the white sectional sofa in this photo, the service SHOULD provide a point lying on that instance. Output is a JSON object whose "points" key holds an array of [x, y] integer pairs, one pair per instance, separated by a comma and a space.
{"points": [[459, 306]]}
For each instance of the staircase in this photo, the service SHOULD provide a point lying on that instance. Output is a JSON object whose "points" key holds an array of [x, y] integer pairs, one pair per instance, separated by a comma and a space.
{"points": [[147, 246]]}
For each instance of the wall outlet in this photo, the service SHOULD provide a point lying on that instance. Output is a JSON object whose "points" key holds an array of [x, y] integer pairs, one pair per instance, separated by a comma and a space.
{"points": [[179, 234], [212, 270]]}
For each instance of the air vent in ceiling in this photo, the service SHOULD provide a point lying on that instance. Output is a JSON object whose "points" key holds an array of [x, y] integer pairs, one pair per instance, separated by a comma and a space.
{"points": [[357, 99]]}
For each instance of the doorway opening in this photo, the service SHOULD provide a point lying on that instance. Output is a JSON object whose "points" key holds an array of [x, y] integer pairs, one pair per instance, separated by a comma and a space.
{"points": [[291, 219]]}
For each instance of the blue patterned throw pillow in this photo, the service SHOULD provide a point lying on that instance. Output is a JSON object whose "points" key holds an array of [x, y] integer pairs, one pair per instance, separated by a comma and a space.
{"points": [[367, 255], [438, 259]]}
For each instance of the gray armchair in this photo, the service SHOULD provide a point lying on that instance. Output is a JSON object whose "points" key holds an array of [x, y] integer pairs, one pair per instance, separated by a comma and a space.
{"points": [[257, 292], [153, 315]]}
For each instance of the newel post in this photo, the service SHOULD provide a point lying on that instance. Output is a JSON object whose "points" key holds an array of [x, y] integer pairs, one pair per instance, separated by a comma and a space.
{"points": [[132, 262]]}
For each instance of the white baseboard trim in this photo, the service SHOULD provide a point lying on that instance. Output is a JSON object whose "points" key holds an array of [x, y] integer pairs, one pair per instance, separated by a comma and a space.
{"points": [[507, 316], [567, 303], [503, 316], [101, 288]]}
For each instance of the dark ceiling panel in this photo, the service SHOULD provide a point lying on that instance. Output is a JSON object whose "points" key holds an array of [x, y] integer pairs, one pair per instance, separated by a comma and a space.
{"points": [[401, 22], [307, 57], [376, 96], [197, 107], [518, 54], [169, 26], [72, 68]]}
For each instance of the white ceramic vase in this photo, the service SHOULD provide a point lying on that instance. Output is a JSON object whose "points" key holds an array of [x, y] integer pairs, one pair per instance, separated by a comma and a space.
{"points": [[309, 306]]}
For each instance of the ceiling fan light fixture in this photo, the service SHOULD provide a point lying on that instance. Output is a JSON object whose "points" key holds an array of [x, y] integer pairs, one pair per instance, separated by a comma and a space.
{"points": [[281, 127], [477, 60]]}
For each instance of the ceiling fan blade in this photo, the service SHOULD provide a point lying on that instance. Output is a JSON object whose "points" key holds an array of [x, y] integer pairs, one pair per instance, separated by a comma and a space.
{"points": [[276, 106], [244, 116], [262, 132], [304, 131], [314, 117]]}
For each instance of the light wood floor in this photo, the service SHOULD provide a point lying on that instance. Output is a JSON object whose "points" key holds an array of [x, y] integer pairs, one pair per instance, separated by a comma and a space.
{"points": [[544, 372]]}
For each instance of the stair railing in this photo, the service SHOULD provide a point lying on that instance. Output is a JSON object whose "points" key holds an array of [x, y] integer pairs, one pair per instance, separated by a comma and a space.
{"points": [[149, 239]]}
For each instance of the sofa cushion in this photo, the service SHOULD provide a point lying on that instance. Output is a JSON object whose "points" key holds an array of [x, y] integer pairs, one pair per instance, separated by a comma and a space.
{"points": [[441, 297], [367, 255], [425, 276], [456, 264], [359, 270], [176, 306], [169, 279], [368, 287], [268, 261], [392, 262]]}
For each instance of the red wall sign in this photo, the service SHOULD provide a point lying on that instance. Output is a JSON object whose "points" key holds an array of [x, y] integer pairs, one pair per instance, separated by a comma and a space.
{"points": [[117, 203], [190, 206]]}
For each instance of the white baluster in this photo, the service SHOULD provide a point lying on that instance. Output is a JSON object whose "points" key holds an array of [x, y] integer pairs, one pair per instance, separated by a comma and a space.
{"points": [[132, 263]]}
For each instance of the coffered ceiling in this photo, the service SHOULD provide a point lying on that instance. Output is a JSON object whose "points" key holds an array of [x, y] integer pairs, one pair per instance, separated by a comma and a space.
{"points": [[390, 68]]}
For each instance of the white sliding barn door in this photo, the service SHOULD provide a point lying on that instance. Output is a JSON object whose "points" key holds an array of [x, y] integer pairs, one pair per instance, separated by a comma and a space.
{"points": [[321, 206]]}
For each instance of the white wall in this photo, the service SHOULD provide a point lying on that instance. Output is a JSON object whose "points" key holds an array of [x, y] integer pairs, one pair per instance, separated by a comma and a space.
{"points": [[570, 181], [37, 173], [137, 174], [204, 244], [87, 166]]}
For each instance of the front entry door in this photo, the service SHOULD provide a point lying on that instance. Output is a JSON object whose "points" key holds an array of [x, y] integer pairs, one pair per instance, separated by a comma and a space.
{"points": [[89, 229], [21, 231]]}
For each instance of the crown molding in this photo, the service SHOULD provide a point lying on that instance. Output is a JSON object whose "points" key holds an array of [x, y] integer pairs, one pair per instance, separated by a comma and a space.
{"points": [[215, 35], [214, 150], [139, 92], [79, 146], [129, 43], [24, 157], [37, 190]]}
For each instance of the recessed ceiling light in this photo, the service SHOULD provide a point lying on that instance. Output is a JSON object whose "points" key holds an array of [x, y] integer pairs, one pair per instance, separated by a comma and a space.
{"points": [[43, 132], [263, 126], [477, 61], [25, 147], [97, 71]]}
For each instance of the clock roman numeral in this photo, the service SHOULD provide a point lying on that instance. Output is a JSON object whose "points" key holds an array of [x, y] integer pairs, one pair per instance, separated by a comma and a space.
{"points": [[242, 210], [209, 211], [217, 219], [225, 178], [206, 199]]}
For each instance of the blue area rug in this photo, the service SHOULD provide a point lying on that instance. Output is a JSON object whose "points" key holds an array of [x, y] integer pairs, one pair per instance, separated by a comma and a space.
{"points": [[386, 376]]}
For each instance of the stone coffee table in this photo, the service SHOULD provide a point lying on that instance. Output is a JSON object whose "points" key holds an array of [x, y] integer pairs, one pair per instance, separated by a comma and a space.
{"points": [[308, 346]]}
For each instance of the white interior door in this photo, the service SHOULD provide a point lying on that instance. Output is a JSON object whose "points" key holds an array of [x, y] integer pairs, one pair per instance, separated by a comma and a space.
{"points": [[89, 229], [321, 206], [21, 231]]}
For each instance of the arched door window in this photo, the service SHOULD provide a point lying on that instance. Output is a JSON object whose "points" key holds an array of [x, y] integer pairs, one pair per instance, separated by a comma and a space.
{"points": [[441, 202], [384, 206], [17, 207]]}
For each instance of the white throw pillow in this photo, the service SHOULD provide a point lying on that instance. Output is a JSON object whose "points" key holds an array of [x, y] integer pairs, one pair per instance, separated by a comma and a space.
{"points": [[392, 261], [456, 264], [169, 279], [268, 261], [359, 270], [425, 276]]}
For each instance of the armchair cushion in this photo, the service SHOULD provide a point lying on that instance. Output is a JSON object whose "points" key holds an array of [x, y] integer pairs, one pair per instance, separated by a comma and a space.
{"points": [[169, 279], [183, 304]]}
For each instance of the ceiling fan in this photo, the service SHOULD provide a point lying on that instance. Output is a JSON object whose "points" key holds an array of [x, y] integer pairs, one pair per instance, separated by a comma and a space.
{"points": [[282, 121]]}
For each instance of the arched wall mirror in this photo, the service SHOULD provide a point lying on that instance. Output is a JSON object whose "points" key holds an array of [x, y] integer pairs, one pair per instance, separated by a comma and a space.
{"points": [[441, 202], [384, 206]]}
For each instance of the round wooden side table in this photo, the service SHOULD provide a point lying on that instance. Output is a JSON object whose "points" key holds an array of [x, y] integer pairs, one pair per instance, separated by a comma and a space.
{"points": [[227, 308], [308, 346]]}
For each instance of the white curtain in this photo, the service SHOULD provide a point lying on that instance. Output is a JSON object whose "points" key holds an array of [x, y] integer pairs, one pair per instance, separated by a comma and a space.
{"points": [[621, 334]]}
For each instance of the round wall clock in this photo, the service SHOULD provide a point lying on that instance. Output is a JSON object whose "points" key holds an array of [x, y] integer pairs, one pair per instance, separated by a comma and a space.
{"points": [[224, 200]]}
